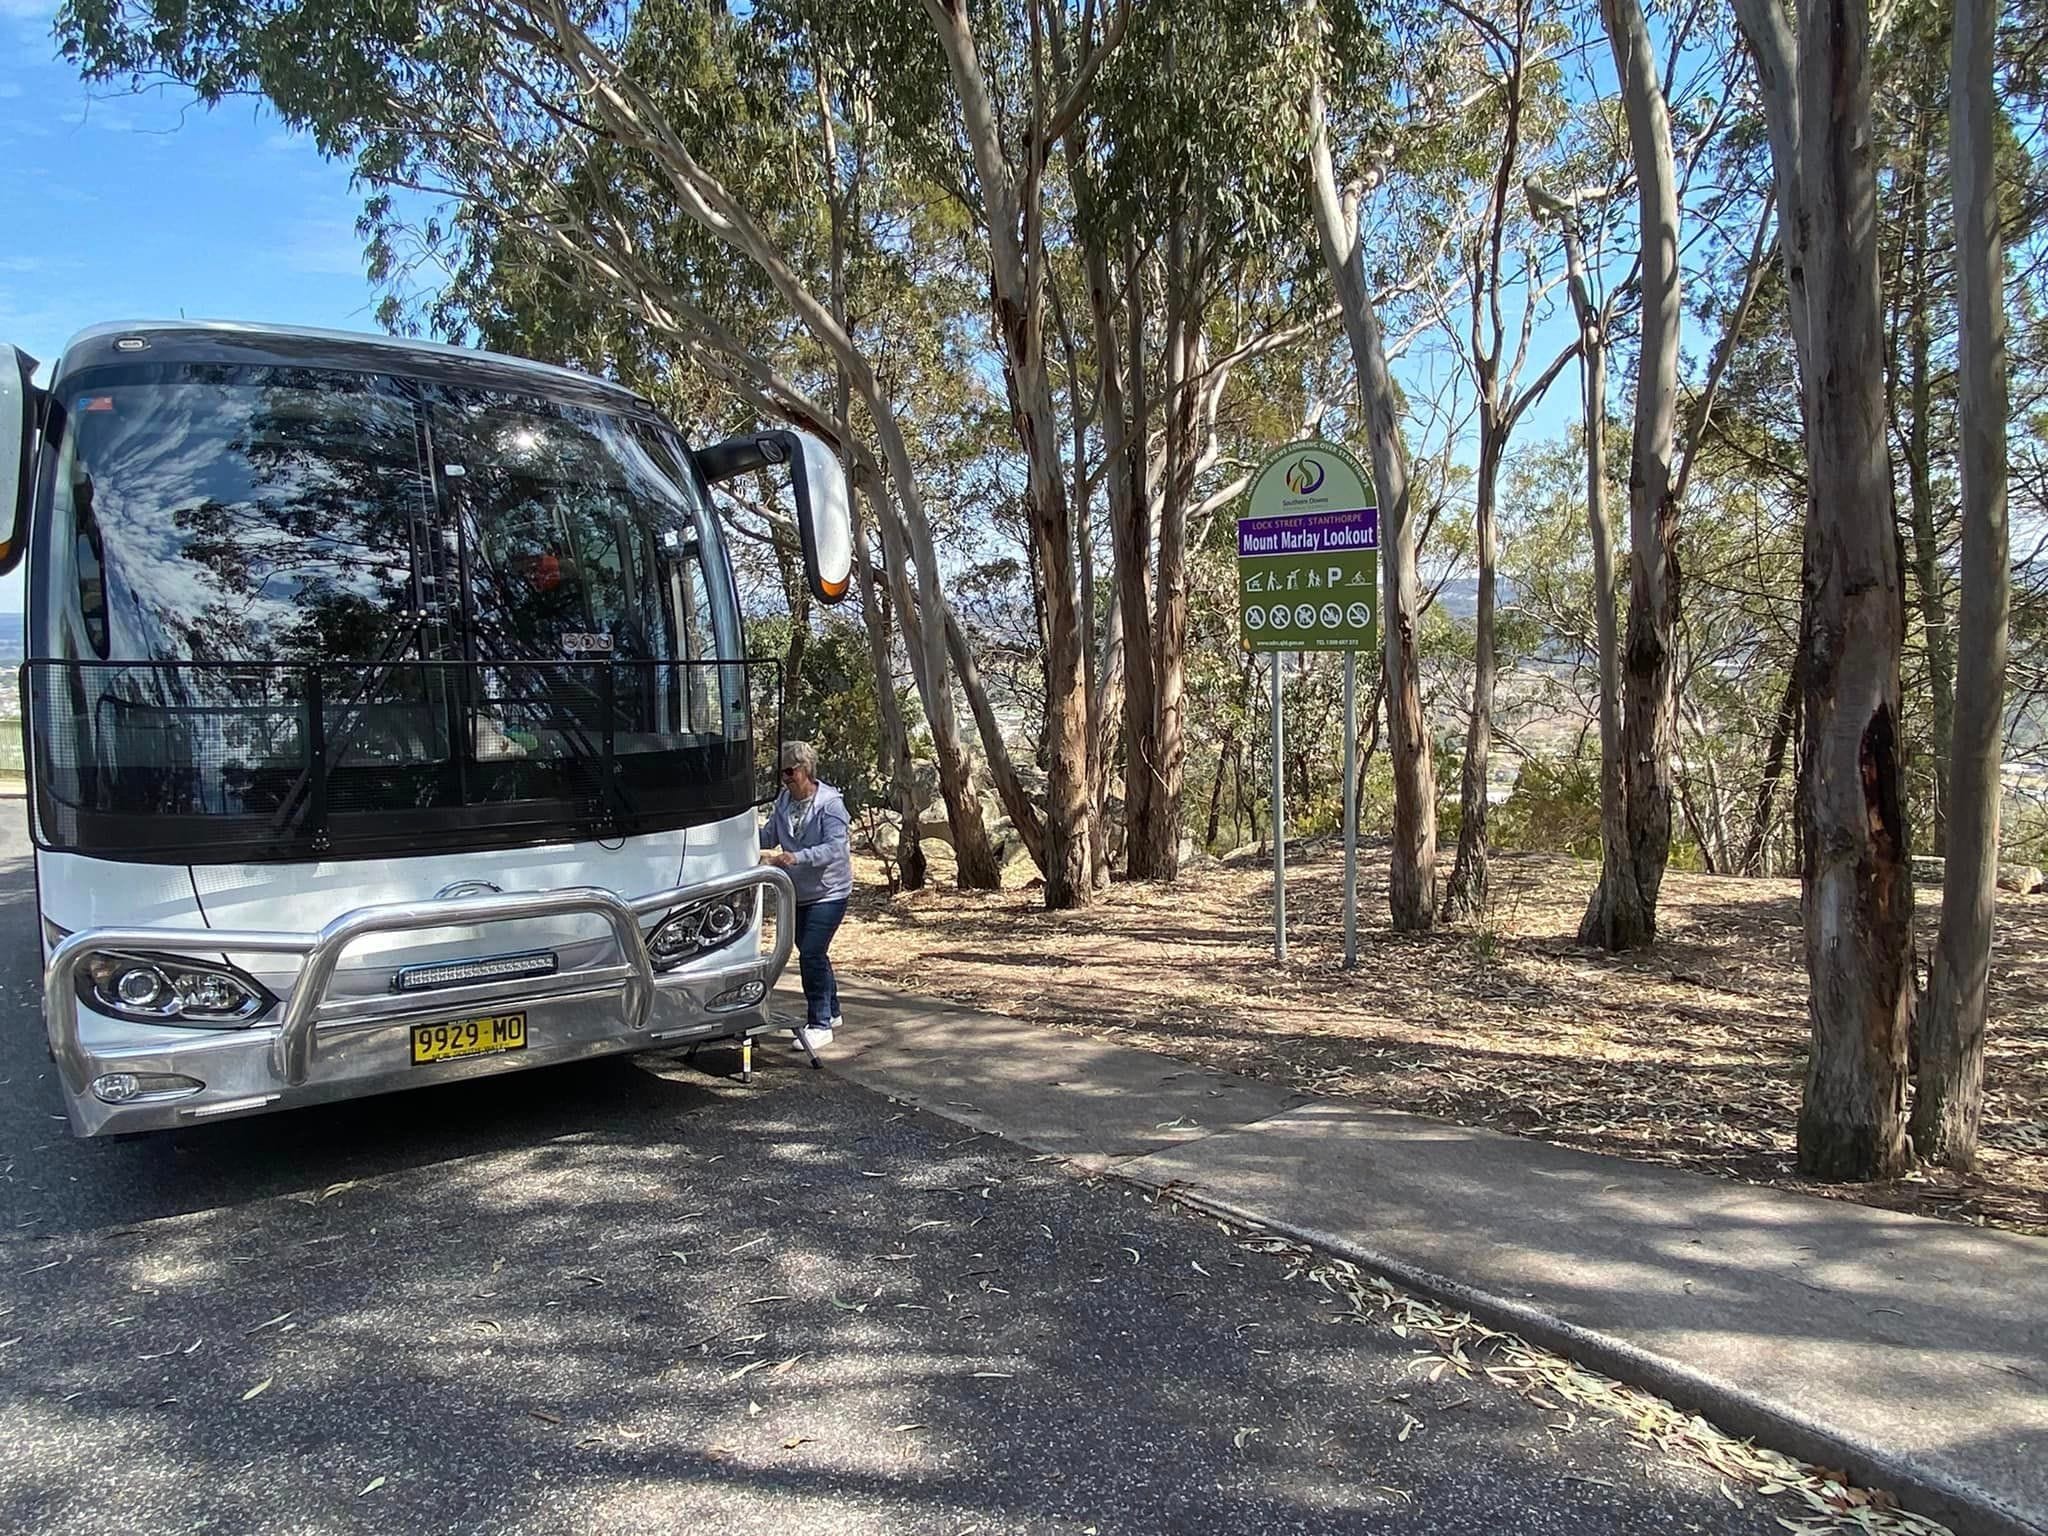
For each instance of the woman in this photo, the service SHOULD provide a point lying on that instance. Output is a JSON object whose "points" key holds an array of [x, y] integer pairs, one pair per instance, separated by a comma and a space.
{"points": [[807, 835]]}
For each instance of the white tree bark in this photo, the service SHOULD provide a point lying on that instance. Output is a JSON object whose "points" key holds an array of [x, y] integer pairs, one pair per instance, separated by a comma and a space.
{"points": [[1412, 886], [1649, 730], [1609, 907], [633, 119], [1013, 215], [1949, 1104]]}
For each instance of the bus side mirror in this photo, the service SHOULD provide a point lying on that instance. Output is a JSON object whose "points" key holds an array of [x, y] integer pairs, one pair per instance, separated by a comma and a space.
{"points": [[20, 410], [824, 516]]}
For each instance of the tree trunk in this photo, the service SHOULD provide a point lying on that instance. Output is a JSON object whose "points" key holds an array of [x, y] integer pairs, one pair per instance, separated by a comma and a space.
{"points": [[1949, 1103], [798, 591], [1011, 202], [1215, 823], [895, 744], [1155, 848], [1856, 882], [1774, 50], [1130, 523], [1002, 772], [1649, 728], [1615, 906], [1412, 879], [1920, 488], [1465, 896], [1104, 679], [975, 866], [1774, 770], [1237, 813], [1109, 688], [1710, 830]]}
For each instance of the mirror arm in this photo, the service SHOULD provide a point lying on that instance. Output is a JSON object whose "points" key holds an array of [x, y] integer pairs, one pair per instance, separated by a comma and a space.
{"points": [[735, 456]]}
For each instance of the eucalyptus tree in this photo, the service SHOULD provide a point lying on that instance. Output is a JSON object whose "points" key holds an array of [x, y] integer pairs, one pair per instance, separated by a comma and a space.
{"points": [[1488, 299], [492, 105], [1622, 912], [1857, 894], [1949, 1102], [1182, 192], [1362, 136]]}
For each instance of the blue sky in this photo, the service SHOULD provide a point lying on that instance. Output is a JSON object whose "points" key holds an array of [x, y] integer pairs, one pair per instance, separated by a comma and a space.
{"points": [[143, 207], [120, 207], [126, 207]]}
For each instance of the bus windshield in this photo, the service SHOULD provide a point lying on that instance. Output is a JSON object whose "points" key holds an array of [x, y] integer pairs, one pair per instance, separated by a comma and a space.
{"points": [[278, 515], [312, 601]]}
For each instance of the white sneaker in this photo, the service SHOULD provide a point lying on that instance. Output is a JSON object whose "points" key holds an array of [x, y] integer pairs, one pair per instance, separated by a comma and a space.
{"points": [[813, 1039]]}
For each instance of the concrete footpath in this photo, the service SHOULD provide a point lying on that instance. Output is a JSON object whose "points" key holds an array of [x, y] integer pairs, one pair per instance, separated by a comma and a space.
{"points": [[1911, 1353]]}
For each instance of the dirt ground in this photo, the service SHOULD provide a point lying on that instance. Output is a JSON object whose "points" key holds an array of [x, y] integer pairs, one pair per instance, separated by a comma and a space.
{"points": [[1690, 1054]]}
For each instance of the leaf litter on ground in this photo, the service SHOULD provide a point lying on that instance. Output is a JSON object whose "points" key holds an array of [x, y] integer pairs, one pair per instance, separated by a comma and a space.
{"points": [[1689, 1055], [1470, 1350]]}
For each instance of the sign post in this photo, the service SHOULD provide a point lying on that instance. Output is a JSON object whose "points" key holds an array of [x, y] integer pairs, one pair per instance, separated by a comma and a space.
{"points": [[1308, 561], [1350, 810], [1279, 821]]}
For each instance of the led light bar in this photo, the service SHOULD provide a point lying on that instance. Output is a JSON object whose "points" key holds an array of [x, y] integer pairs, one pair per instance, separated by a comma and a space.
{"points": [[453, 973]]}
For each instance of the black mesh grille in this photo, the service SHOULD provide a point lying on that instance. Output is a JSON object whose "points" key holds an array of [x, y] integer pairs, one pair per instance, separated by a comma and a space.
{"points": [[181, 761]]}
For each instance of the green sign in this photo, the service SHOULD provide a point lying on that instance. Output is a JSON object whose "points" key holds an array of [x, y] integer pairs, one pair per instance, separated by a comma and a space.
{"points": [[1308, 554]]}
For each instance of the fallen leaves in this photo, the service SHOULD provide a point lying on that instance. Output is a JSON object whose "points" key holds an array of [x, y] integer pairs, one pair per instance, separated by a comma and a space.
{"points": [[1692, 1061], [1458, 1343]]}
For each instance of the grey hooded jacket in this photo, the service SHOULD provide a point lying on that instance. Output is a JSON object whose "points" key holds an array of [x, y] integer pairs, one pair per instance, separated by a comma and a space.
{"points": [[823, 870]]}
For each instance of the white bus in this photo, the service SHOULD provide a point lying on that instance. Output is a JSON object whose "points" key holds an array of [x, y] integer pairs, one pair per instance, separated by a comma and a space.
{"points": [[386, 717]]}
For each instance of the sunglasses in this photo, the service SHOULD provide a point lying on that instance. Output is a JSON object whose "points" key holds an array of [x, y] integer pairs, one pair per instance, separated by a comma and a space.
{"points": [[791, 772]]}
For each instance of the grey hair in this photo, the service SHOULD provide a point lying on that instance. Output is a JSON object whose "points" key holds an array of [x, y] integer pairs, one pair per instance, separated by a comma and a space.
{"points": [[800, 754]]}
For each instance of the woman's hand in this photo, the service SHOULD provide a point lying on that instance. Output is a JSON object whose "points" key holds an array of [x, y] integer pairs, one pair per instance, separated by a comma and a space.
{"points": [[777, 857]]}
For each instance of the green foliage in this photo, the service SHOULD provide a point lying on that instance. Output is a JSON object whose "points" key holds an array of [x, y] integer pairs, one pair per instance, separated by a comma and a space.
{"points": [[484, 163], [835, 708], [1555, 806]]}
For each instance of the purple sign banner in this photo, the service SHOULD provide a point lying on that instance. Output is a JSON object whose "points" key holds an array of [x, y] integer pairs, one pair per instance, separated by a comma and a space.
{"points": [[1309, 533]]}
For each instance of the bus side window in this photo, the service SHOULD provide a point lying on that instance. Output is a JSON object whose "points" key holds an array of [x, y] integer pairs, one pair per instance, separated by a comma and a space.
{"points": [[690, 599], [89, 558]]}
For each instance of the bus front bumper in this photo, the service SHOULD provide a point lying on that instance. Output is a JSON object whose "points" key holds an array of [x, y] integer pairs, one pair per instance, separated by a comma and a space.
{"points": [[315, 1048]]}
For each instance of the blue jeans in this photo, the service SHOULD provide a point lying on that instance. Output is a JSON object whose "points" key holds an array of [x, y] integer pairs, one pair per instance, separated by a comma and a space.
{"points": [[815, 925]]}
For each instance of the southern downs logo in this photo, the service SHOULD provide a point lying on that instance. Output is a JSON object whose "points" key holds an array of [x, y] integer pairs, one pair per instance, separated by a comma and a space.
{"points": [[1305, 476]]}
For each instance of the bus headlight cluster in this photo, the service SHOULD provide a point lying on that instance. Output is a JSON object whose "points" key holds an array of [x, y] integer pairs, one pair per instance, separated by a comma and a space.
{"points": [[701, 927], [172, 989]]}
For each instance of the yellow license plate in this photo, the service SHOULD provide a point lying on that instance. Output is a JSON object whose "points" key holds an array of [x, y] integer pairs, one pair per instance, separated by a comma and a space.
{"points": [[468, 1037]]}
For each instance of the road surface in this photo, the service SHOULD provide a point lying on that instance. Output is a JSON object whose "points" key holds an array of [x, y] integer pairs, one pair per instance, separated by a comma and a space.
{"points": [[636, 1297]]}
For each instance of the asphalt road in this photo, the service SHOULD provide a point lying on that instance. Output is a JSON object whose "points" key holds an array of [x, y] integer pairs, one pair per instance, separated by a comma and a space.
{"points": [[635, 1297]]}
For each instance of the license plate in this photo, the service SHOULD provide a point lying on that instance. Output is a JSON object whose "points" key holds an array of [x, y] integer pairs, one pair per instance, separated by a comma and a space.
{"points": [[468, 1037]]}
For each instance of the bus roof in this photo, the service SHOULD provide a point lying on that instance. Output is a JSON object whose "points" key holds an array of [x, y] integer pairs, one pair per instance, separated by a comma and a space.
{"points": [[192, 339]]}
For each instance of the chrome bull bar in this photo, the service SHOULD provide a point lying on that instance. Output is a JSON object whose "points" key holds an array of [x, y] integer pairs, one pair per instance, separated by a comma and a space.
{"points": [[296, 1041]]}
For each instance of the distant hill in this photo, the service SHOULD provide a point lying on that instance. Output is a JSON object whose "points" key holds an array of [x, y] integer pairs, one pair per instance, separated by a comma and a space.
{"points": [[1459, 598]]}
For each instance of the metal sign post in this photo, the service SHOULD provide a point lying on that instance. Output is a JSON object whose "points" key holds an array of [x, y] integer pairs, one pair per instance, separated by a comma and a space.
{"points": [[1279, 820], [1308, 563], [1350, 810]]}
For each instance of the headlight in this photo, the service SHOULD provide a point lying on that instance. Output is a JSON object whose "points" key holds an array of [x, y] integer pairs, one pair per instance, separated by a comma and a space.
{"points": [[701, 927], [172, 989]]}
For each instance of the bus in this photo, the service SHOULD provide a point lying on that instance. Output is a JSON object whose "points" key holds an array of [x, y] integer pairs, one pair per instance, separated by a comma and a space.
{"points": [[386, 717]]}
